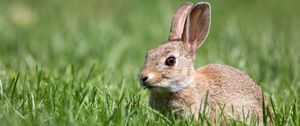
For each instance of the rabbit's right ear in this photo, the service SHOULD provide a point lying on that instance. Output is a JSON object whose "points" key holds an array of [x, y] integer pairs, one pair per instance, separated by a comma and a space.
{"points": [[178, 21], [197, 26]]}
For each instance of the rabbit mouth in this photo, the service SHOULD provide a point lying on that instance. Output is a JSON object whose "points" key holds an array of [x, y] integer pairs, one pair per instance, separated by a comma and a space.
{"points": [[150, 87], [156, 88]]}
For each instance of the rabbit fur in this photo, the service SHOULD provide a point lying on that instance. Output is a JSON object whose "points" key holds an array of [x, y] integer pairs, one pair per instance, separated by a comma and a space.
{"points": [[212, 89]]}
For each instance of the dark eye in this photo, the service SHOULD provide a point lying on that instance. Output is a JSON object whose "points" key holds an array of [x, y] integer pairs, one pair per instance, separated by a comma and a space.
{"points": [[170, 61]]}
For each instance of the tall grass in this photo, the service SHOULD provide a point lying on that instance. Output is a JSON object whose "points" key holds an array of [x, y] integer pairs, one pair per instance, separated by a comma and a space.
{"points": [[76, 62]]}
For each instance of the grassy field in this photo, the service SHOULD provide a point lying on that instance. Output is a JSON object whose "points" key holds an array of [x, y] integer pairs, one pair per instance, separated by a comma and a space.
{"points": [[76, 62]]}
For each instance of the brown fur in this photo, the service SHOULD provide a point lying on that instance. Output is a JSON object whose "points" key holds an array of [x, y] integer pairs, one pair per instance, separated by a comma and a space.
{"points": [[223, 85], [211, 89]]}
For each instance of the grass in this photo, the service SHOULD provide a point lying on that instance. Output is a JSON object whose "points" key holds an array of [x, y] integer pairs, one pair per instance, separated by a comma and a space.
{"points": [[76, 63]]}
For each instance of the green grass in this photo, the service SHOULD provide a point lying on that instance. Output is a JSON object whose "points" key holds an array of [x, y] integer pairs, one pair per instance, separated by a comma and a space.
{"points": [[76, 62]]}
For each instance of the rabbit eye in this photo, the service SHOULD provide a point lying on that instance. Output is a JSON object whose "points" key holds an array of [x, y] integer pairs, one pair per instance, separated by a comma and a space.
{"points": [[171, 61]]}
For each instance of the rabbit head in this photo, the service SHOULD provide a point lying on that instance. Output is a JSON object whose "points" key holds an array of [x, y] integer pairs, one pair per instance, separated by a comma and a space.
{"points": [[171, 66]]}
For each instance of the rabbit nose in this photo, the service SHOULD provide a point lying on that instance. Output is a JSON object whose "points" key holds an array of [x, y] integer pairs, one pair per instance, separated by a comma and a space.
{"points": [[144, 78]]}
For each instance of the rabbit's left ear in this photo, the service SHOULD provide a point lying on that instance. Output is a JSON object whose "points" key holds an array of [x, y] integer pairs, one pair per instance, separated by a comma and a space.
{"points": [[197, 25]]}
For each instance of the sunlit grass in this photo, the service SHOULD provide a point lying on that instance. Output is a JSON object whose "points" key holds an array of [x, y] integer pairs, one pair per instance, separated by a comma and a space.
{"points": [[76, 63]]}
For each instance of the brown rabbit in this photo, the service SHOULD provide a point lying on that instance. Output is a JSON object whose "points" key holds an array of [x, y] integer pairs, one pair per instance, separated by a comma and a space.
{"points": [[174, 83]]}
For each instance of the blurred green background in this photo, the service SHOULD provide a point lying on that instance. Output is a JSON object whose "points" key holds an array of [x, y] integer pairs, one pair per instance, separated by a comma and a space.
{"points": [[54, 54]]}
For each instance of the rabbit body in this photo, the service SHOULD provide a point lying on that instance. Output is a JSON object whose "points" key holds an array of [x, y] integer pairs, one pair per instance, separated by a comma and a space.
{"points": [[175, 84], [215, 88]]}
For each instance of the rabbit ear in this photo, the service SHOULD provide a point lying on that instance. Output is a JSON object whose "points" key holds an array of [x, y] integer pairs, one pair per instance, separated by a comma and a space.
{"points": [[197, 25], [178, 21]]}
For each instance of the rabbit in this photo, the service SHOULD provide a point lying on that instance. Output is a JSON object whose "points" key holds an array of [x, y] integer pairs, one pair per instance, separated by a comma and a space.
{"points": [[175, 84]]}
